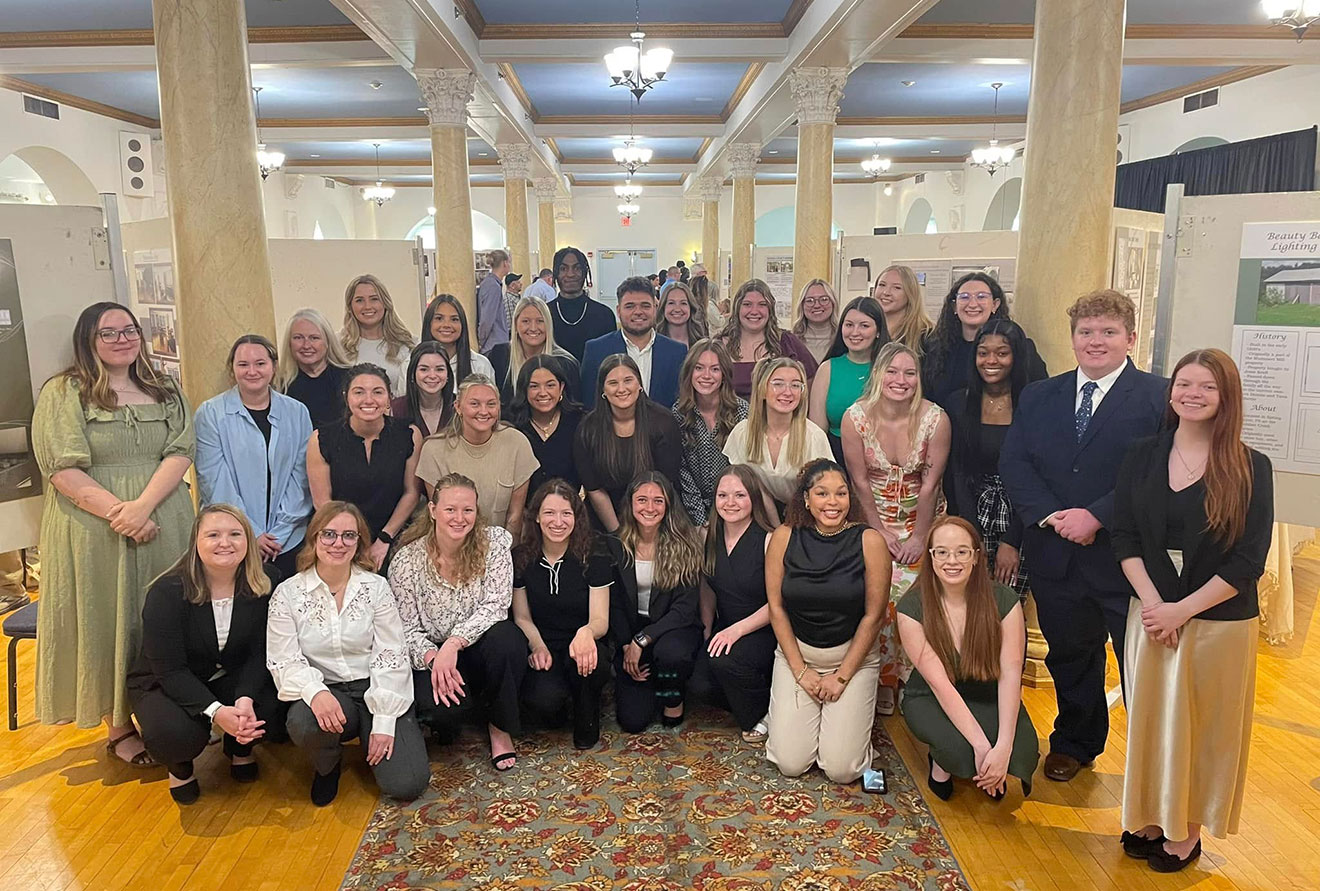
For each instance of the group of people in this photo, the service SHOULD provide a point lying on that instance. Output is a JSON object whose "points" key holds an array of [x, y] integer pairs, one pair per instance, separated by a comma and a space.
{"points": [[786, 522]]}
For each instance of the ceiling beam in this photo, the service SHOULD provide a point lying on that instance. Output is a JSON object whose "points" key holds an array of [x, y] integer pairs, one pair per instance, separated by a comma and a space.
{"points": [[79, 59], [576, 48], [962, 48], [1208, 83], [563, 127], [144, 36], [109, 111]]}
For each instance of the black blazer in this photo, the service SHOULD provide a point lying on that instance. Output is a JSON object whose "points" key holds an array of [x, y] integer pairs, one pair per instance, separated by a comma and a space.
{"points": [[1141, 517], [180, 650], [670, 609], [962, 482], [1045, 469]]}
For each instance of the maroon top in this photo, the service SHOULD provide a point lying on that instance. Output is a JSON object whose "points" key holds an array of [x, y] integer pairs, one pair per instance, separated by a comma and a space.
{"points": [[792, 347]]}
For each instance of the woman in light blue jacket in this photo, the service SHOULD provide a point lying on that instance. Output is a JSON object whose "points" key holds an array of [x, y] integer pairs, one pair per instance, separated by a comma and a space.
{"points": [[234, 429]]}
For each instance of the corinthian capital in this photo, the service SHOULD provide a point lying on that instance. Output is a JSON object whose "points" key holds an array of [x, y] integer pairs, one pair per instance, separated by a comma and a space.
{"points": [[547, 188], [742, 159], [709, 188], [516, 159], [816, 93], [447, 92]]}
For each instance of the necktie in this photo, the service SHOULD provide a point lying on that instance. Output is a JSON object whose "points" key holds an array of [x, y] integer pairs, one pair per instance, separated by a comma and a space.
{"points": [[1084, 410]]}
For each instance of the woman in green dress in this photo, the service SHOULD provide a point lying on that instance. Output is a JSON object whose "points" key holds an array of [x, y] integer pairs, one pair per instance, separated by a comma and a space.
{"points": [[114, 440], [966, 638], [841, 378]]}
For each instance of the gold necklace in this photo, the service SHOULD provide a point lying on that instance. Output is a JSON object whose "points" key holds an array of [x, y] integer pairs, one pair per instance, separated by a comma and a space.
{"points": [[546, 430], [1191, 474], [844, 528]]}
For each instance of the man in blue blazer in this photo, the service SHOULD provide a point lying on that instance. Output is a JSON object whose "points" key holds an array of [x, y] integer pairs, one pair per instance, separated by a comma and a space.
{"points": [[1059, 465], [658, 357]]}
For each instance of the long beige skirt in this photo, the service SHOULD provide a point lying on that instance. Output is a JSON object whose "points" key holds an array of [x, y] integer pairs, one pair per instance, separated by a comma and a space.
{"points": [[1189, 725]]}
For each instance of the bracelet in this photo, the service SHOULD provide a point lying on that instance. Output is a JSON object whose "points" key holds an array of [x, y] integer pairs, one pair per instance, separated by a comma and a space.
{"points": [[798, 679], [385, 537]]}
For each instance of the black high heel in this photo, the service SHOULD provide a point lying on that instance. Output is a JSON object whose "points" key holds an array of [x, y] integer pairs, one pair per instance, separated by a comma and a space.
{"points": [[943, 789]]}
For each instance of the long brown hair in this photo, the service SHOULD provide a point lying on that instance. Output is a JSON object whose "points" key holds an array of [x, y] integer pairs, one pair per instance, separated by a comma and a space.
{"points": [[732, 333], [760, 517], [250, 580], [982, 633], [1227, 477], [321, 519], [696, 323], [677, 556], [89, 373], [531, 541], [688, 416], [616, 457], [471, 560]]}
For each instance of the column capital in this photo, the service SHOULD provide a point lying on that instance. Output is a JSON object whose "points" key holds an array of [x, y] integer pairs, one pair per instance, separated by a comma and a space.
{"points": [[743, 157], [709, 188], [816, 93], [447, 92], [516, 159], [547, 188]]}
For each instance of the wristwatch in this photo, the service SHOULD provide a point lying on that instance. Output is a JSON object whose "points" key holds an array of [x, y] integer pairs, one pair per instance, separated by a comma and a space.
{"points": [[642, 640], [385, 537], [843, 681]]}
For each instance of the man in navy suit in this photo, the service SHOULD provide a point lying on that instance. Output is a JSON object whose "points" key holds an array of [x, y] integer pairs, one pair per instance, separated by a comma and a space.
{"points": [[658, 357], [1059, 465]]}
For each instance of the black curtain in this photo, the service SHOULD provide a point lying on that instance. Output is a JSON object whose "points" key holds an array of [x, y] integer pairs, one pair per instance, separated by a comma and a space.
{"points": [[1282, 163]]}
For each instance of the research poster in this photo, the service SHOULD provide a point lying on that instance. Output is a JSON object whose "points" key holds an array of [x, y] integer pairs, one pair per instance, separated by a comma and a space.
{"points": [[1276, 342], [779, 276], [19, 475]]}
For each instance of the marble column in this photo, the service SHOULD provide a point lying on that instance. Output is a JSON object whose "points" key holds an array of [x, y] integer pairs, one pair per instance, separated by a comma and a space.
{"points": [[710, 190], [1068, 177], [447, 92], [516, 159], [221, 267], [743, 157], [547, 187], [816, 95]]}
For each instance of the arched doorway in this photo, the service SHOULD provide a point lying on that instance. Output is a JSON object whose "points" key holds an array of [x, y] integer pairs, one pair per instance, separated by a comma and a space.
{"points": [[63, 179], [1003, 209], [486, 233], [920, 218]]}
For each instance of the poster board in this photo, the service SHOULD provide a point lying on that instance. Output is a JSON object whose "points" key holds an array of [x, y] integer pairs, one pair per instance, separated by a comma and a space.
{"points": [[1134, 251], [938, 260], [774, 266], [60, 265], [314, 272]]}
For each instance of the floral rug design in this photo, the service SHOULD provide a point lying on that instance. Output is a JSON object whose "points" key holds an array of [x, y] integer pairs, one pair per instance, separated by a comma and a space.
{"points": [[667, 810]]}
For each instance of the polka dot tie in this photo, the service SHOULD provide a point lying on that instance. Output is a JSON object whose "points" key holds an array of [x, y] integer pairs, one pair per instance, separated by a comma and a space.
{"points": [[1084, 410]]}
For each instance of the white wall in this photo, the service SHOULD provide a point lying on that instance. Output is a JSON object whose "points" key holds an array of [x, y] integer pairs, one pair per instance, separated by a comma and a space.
{"points": [[311, 204]]}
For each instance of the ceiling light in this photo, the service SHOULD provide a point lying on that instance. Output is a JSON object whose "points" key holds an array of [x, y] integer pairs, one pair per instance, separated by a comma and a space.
{"points": [[627, 209], [908, 83], [267, 161], [633, 68], [876, 165], [1297, 15], [934, 151], [375, 85], [630, 155], [772, 151], [628, 192], [994, 157], [430, 211], [379, 193], [889, 190], [483, 154]]}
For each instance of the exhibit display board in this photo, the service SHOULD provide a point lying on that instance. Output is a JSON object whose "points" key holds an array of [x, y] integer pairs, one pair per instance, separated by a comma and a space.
{"points": [[1135, 270], [938, 260], [315, 272]]}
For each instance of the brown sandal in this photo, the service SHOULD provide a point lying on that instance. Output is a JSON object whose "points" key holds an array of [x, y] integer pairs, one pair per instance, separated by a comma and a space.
{"points": [[141, 759]]}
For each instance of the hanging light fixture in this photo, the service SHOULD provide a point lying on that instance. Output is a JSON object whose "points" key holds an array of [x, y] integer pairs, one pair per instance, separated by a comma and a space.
{"points": [[379, 193], [630, 155], [876, 165], [627, 209], [1298, 15], [993, 157], [633, 68], [267, 161], [629, 192]]}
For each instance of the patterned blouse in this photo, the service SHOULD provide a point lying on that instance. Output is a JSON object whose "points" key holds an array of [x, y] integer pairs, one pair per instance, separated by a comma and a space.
{"points": [[702, 466], [895, 487], [433, 610], [310, 644]]}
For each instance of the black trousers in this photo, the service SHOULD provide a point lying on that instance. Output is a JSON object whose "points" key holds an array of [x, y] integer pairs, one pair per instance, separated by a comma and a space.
{"points": [[671, 659], [175, 737], [286, 563], [743, 676], [492, 669], [554, 696], [1076, 618]]}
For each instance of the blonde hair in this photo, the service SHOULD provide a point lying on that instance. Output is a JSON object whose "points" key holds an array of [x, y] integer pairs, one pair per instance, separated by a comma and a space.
{"points": [[758, 414], [250, 579], [915, 324], [800, 313], [396, 334], [287, 369], [516, 355], [453, 432], [471, 561], [875, 384]]}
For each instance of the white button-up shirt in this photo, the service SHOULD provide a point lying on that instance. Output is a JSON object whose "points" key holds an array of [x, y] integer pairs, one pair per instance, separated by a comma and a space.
{"points": [[310, 644], [1103, 386], [642, 356]]}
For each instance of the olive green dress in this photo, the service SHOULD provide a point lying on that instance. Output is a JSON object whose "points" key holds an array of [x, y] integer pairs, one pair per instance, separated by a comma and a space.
{"points": [[928, 722], [94, 581]]}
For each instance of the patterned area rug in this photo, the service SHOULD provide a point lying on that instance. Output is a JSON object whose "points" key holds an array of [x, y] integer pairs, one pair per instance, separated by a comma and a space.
{"points": [[660, 811]]}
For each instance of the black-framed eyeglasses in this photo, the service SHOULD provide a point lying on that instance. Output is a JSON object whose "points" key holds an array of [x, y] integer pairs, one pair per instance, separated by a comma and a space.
{"points": [[330, 536], [113, 335]]}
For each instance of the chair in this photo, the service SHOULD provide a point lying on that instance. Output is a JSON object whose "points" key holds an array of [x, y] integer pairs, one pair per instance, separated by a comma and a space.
{"points": [[18, 625]]}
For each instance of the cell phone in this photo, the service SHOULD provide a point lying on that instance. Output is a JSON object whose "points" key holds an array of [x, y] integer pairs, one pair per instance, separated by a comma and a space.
{"points": [[874, 781]]}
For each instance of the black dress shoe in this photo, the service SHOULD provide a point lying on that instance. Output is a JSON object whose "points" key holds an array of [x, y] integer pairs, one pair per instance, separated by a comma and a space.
{"points": [[1161, 860], [943, 789], [325, 787], [244, 773], [1139, 847], [187, 793]]}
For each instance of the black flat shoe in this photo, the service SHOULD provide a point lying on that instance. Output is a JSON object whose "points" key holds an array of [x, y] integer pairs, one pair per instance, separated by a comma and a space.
{"points": [[667, 721], [244, 773], [943, 789], [1162, 861], [187, 793], [325, 787], [1138, 847]]}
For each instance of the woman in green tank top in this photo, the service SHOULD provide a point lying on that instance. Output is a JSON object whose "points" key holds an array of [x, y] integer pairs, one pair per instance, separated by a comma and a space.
{"points": [[842, 375]]}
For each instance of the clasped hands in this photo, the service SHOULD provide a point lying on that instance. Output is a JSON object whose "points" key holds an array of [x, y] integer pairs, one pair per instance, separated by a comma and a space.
{"points": [[821, 687], [446, 682], [1163, 620], [991, 767], [240, 721], [1077, 524], [132, 519]]}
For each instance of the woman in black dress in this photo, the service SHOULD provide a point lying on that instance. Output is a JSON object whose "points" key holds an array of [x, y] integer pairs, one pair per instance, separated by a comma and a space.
{"points": [[369, 459], [561, 601], [428, 398], [546, 414], [734, 611]]}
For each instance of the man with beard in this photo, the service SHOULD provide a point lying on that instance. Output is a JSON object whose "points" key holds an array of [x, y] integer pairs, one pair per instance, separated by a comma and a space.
{"points": [[658, 357], [577, 318]]}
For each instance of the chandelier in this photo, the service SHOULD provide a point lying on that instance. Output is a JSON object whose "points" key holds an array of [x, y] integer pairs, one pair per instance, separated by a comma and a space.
{"points": [[875, 165], [634, 69], [1299, 15], [993, 157], [379, 193], [630, 155], [267, 161], [629, 192], [627, 209]]}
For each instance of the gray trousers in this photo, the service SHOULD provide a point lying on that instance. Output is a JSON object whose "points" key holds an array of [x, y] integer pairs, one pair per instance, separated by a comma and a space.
{"points": [[404, 775]]}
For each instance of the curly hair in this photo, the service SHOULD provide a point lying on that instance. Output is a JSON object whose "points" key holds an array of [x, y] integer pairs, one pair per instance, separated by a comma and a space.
{"points": [[581, 540], [797, 515], [1105, 302], [948, 328]]}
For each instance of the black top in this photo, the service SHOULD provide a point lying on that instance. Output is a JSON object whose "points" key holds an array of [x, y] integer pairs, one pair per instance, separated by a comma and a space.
{"points": [[824, 587], [261, 417], [671, 609], [560, 600], [666, 453], [555, 453], [375, 486], [1150, 520], [579, 320], [739, 580], [323, 395], [960, 365], [974, 460]]}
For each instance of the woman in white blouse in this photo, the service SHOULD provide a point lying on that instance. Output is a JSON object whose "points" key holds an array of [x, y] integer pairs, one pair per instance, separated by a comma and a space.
{"points": [[335, 646], [453, 577], [777, 439]]}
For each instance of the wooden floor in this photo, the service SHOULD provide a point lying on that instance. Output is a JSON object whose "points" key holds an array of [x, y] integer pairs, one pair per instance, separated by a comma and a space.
{"points": [[71, 819]]}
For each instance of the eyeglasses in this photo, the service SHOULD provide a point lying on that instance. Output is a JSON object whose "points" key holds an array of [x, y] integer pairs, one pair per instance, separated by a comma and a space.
{"points": [[962, 555], [112, 335], [330, 536], [817, 301], [795, 386], [964, 297]]}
